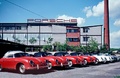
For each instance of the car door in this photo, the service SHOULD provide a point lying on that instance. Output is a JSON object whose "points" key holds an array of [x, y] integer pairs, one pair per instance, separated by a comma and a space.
{"points": [[9, 62]]}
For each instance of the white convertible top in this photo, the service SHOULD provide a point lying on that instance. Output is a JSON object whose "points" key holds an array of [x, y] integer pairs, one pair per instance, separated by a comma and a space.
{"points": [[11, 53]]}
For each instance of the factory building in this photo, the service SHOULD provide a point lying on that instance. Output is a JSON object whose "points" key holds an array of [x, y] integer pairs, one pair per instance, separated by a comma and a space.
{"points": [[37, 31]]}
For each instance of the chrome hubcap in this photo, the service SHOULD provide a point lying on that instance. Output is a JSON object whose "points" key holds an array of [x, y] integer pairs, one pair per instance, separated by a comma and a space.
{"points": [[22, 69], [49, 65], [0, 68], [70, 63], [85, 62]]}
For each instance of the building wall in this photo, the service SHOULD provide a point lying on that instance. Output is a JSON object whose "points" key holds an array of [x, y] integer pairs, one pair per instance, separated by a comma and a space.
{"points": [[33, 29], [97, 38], [45, 29], [58, 29], [94, 32], [59, 38], [58, 33]]}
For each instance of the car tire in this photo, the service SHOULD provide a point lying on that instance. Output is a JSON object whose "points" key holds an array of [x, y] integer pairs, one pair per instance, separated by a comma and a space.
{"points": [[96, 62], [70, 63], [104, 61], [0, 67], [49, 65], [85, 63], [21, 68]]}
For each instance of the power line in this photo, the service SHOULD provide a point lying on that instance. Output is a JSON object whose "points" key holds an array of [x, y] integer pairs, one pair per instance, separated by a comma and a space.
{"points": [[25, 9]]}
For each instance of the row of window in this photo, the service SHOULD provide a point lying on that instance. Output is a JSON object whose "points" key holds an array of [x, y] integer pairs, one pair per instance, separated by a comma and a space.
{"points": [[13, 28], [72, 30], [73, 39], [85, 39], [11, 37], [85, 29]]}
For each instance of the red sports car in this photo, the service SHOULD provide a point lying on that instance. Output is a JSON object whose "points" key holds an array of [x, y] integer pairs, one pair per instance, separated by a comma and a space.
{"points": [[21, 62], [88, 59], [52, 60], [75, 60]]}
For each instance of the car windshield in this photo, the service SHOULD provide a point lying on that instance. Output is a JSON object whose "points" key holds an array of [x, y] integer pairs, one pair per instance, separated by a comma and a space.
{"points": [[21, 54], [40, 54], [73, 54], [61, 54], [49, 54], [86, 54]]}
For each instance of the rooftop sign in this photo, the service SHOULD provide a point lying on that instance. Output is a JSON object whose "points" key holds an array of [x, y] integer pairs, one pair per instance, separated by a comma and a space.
{"points": [[51, 21]]}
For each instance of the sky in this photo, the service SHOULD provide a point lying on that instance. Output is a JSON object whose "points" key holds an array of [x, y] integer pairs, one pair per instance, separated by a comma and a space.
{"points": [[87, 12]]}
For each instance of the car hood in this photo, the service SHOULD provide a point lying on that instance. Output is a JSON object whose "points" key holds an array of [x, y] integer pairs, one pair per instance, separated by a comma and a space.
{"points": [[27, 59]]}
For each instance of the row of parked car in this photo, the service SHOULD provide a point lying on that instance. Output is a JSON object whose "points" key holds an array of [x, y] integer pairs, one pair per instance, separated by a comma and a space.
{"points": [[22, 61]]}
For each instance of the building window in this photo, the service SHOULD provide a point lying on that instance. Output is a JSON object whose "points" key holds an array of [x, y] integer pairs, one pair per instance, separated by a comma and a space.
{"points": [[44, 37], [73, 39], [0, 36], [69, 39], [85, 29], [18, 27], [72, 30], [85, 38], [9, 37], [23, 28], [0, 28]]}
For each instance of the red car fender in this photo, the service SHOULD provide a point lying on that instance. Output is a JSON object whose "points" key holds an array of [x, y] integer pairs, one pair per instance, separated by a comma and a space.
{"points": [[86, 58], [52, 60], [72, 59]]}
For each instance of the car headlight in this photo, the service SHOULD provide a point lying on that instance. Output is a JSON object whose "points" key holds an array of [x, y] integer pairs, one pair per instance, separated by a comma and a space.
{"points": [[101, 58], [31, 63], [57, 61]]}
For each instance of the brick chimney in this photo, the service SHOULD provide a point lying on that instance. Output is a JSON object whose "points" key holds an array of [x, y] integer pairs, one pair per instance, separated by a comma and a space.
{"points": [[106, 24]]}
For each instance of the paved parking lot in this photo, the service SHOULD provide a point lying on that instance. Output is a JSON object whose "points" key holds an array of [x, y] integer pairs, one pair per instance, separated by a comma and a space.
{"points": [[99, 71]]}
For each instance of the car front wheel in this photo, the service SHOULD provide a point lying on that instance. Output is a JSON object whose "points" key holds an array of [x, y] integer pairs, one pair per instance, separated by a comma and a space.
{"points": [[21, 68], [49, 65], [85, 63], [0, 67], [70, 64], [96, 61]]}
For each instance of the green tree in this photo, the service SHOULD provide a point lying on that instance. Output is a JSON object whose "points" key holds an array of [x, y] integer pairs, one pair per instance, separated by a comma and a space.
{"points": [[16, 39], [49, 41], [93, 45], [60, 47], [103, 48], [47, 48], [56, 45], [32, 40], [77, 48]]}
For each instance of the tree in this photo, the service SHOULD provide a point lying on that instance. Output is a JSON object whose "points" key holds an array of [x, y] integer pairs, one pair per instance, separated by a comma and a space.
{"points": [[32, 40], [77, 48], [16, 39], [49, 41], [93, 45], [47, 48], [56, 45], [60, 47], [103, 48]]}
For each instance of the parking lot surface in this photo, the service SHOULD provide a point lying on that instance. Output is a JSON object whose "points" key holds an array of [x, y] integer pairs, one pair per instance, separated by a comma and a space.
{"points": [[92, 71]]}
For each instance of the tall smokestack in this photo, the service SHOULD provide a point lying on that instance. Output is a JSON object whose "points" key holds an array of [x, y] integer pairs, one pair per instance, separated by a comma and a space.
{"points": [[106, 24]]}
